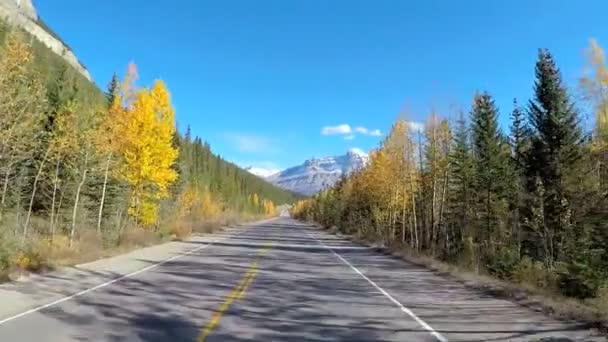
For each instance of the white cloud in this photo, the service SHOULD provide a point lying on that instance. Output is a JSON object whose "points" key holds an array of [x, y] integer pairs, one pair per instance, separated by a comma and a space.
{"points": [[375, 133], [361, 130], [248, 143], [415, 126], [349, 132], [332, 130]]}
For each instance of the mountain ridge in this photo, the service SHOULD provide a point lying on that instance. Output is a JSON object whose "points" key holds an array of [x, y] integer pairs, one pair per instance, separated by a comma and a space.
{"points": [[23, 14], [316, 174]]}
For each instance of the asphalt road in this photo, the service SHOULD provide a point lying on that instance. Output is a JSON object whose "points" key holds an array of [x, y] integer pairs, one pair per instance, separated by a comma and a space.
{"points": [[275, 281]]}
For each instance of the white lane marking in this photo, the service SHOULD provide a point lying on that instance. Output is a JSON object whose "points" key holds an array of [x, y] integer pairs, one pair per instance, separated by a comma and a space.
{"points": [[110, 282], [409, 312]]}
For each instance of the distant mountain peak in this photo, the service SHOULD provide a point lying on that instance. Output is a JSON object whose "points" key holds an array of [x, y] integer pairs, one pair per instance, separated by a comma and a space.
{"points": [[261, 172], [316, 174], [357, 152]]}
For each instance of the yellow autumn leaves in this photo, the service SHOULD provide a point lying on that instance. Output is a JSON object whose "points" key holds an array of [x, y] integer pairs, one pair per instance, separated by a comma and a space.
{"points": [[594, 84], [265, 206], [139, 130]]}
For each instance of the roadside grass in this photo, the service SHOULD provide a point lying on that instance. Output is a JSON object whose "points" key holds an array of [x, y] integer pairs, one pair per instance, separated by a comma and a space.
{"points": [[40, 253], [524, 292], [530, 287]]}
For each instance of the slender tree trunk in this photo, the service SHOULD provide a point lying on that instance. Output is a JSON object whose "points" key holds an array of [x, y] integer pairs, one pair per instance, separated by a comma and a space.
{"points": [[29, 210], [394, 218], [411, 229], [7, 177], [5, 187], [422, 198], [57, 211], [433, 214], [442, 205], [76, 200], [103, 193], [487, 234], [416, 243], [120, 224], [55, 184], [403, 213]]}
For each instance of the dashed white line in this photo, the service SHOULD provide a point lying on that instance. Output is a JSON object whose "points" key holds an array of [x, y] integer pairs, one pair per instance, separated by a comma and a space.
{"points": [[409, 312], [110, 282]]}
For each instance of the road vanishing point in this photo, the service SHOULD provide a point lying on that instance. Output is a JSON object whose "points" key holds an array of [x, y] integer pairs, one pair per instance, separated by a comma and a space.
{"points": [[275, 280]]}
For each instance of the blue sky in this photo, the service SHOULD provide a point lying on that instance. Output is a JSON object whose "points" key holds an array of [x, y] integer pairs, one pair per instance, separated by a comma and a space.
{"points": [[260, 79]]}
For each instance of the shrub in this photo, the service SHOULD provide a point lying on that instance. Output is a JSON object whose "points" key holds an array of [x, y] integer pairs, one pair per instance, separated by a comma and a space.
{"points": [[580, 280], [503, 263], [7, 251], [28, 259], [469, 255], [602, 297], [4, 258], [533, 273]]}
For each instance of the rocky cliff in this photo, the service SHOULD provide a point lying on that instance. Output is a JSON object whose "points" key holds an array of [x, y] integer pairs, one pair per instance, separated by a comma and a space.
{"points": [[317, 174], [23, 14]]}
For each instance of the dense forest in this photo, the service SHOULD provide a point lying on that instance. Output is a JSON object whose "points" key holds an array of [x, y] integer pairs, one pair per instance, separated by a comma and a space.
{"points": [[528, 206], [82, 169]]}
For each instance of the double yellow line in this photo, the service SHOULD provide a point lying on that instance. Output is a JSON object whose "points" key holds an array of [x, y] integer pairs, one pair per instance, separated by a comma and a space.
{"points": [[236, 294]]}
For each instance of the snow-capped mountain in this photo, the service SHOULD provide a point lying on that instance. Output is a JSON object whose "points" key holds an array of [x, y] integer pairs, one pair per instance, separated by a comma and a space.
{"points": [[317, 174], [261, 172]]}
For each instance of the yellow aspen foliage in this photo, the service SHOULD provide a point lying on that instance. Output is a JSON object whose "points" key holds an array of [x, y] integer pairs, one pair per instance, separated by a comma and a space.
{"points": [[65, 138], [147, 150], [208, 207], [594, 84], [148, 212], [302, 209], [15, 63], [21, 101], [378, 175], [255, 200], [269, 208], [187, 201], [110, 133]]}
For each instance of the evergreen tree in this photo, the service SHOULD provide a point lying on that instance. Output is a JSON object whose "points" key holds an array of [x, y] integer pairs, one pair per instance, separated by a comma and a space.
{"points": [[61, 90], [520, 136], [520, 143], [490, 164], [555, 150], [461, 183], [112, 90]]}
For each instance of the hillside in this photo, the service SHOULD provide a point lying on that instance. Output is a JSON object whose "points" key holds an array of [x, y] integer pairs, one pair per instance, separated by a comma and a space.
{"points": [[234, 184], [53, 69], [22, 13], [83, 171]]}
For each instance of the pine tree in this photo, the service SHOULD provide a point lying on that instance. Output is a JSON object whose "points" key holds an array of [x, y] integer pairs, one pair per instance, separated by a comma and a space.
{"points": [[520, 144], [520, 136], [461, 185], [490, 174], [556, 148], [112, 91], [61, 91]]}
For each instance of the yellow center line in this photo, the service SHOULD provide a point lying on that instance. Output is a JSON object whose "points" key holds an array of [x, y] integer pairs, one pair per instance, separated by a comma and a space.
{"points": [[236, 294]]}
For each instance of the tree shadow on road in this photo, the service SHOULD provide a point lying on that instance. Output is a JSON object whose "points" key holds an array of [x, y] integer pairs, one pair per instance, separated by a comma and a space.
{"points": [[299, 294]]}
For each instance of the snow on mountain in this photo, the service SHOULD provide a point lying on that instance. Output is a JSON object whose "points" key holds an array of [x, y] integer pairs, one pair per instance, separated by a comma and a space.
{"points": [[261, 172], [317, 174]]}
